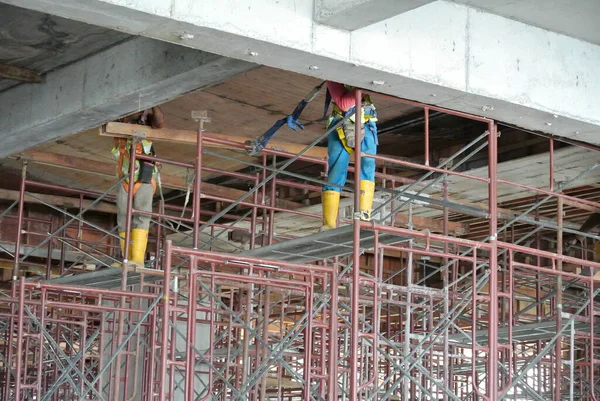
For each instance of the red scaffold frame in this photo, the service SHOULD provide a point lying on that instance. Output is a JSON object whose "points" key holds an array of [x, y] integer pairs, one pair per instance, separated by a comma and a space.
{"points": [[507, 322]]}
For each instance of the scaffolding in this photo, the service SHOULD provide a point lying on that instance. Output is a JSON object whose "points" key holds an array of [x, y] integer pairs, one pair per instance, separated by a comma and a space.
{"points": [[310, 317]]}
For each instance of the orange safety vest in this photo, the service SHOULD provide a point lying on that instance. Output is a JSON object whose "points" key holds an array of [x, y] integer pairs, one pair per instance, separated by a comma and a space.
{"points": [[121, 150]]}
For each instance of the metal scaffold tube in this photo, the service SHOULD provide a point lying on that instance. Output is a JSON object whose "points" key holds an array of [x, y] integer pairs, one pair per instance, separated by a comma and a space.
{"points": [[372, 310]]}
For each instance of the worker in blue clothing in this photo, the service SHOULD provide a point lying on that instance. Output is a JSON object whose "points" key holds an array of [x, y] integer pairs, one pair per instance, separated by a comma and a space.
{"points": [[340, 148]]}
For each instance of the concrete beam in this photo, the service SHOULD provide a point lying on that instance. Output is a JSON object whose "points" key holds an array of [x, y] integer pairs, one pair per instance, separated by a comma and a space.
{"points": [[133, 75], [351, 15], [472, 61]]}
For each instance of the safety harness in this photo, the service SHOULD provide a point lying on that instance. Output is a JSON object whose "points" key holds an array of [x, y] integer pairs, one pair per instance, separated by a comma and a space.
{"points": [[144, 169], [347, 131], [368, 112]]}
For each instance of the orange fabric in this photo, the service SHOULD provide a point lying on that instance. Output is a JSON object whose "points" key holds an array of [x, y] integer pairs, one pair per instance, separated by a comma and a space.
{"points": [[122, 144], [139, 149]]}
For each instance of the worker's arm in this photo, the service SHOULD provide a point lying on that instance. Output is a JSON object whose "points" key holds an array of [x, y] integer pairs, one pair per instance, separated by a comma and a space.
{"points": [[345, 100], [157, 118], [592, 222]]}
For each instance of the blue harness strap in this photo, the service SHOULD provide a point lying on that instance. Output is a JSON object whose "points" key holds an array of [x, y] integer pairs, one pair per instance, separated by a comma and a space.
{"points": [[258, 144]]}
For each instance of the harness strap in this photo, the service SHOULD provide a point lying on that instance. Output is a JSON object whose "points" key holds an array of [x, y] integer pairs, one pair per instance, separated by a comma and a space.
{"points": [[327, 103], [258, 144]]}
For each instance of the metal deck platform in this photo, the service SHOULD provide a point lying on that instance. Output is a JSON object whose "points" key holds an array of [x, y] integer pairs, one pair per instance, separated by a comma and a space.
{"points": [[307, 249], [109, 278], [323, 245], [523, 333]]}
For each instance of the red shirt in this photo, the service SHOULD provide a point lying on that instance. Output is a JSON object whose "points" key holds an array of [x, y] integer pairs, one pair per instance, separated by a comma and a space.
{"points": [[344, 99]]}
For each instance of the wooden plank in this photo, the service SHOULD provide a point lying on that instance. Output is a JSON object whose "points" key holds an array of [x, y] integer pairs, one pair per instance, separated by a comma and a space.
{"points": [[122, 130], [19, 74], [423, 223], [64, 201], [95, 167], [70, 162], [582, 206], [532, 171], [503, 214]]}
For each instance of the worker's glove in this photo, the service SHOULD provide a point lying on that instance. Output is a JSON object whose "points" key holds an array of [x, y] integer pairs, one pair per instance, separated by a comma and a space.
{"points": [[292, 122], [255, 146]]}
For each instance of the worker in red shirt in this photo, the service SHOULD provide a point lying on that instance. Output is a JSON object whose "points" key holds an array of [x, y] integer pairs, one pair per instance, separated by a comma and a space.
{"points": [[340, 147]]}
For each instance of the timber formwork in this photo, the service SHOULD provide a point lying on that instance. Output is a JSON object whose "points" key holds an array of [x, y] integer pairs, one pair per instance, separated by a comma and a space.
{"points": [[315, 317]]}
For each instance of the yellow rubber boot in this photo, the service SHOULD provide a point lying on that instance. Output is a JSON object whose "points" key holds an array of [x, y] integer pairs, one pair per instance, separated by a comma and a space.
{"points": [[367, 190], [138, 247], [122, 241], [331, 206]]}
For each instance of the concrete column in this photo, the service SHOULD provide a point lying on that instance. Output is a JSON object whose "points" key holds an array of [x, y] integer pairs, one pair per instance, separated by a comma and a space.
{"points": [[131, 359], [202, 343]]}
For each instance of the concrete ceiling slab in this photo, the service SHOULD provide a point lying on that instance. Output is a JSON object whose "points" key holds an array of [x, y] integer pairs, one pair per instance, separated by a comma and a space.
{"points": [[44, 42], [473, 61]]}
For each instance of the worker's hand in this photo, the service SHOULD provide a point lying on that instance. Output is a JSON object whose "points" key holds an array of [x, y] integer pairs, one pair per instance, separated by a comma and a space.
{"points": [[293, 123]]}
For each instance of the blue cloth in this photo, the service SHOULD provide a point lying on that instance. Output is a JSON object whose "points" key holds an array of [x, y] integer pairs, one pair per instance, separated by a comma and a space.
{"points": [[339, 158]]}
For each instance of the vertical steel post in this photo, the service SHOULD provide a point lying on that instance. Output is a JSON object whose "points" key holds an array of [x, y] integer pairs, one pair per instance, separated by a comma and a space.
{"points": [[20, 221], [308, 344], [190, 365], [447, 378], [492, 371], [49, 255], [264, 239], [164, 341], [129, 210], [551, 176], [333, 334], [159, 230], [272, 202], [427, 136], [128, 223], [254, 212], [201, 117], [559, 300], [80, 222], [20, 328], [266, 316], [572, 358], [356, 253]]}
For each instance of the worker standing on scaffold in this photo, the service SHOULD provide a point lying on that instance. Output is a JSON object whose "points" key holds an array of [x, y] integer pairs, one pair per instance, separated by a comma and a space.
{"points": [[144, 187], [341, 146]]}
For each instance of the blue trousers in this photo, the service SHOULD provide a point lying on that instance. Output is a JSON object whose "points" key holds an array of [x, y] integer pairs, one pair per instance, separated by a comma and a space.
{"points": [[339, 158]]}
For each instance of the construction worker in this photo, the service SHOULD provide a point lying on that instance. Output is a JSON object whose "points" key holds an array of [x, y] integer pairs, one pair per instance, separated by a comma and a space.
{"points": [[144, 187], [340, 148], [591, 223]]}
